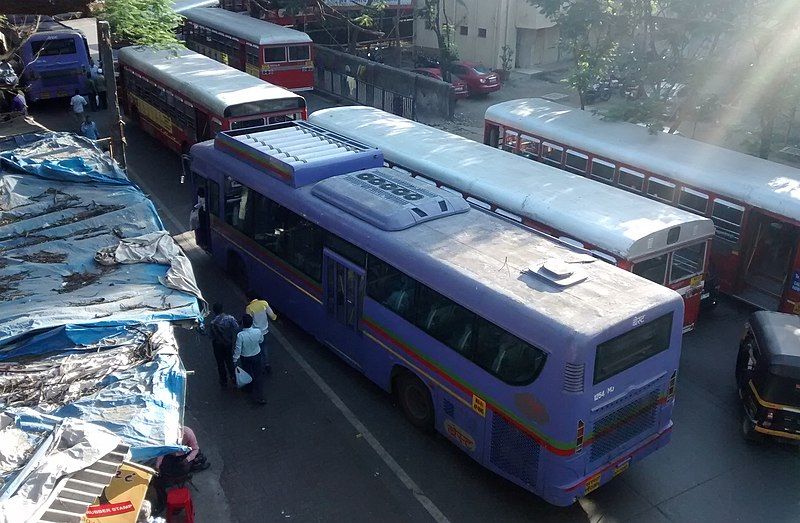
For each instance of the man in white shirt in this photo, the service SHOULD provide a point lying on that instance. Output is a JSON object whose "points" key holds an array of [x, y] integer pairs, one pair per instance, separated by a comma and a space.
{"points": [[261, 312], [78, 104], [247, 354]]}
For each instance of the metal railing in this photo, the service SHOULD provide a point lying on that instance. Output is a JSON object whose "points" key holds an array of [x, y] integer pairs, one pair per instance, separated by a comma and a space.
{"points": [[364, 93]]}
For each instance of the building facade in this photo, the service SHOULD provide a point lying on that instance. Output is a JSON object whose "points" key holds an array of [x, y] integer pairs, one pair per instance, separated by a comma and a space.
{"points": [[483, 27]]}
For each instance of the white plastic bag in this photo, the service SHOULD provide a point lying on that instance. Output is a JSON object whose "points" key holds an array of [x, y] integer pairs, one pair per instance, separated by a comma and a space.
{"points": [[242, 377]]}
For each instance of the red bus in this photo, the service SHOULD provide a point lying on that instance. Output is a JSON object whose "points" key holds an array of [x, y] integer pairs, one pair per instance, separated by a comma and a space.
{"points": [[182, 97], [276, 54], [754, 203]]}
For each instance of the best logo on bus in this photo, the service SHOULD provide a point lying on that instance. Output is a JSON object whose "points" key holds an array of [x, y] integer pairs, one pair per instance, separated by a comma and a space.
{"points": [[459, 435]]}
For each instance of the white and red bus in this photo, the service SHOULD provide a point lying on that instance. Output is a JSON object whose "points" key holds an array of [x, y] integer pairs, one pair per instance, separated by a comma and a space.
{"points": [[182, 97], [279, 55], [666, 245], [755, 203]]}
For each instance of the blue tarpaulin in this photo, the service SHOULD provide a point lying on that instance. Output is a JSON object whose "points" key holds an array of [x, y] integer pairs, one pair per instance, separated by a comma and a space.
{"points": [[90, 288], [61, 202]]}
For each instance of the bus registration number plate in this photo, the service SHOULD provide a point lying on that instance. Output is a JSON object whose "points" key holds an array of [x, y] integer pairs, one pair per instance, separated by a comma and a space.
{"points": [[622, 467], [592, 483]]}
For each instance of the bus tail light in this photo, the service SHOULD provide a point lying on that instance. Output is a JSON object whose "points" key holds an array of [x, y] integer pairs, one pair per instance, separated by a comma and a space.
{"points": [[671, 388], [579, 438]]}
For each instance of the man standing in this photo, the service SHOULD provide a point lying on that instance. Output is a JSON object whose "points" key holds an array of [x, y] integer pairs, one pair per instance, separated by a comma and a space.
{"points": [[223, 331], [248, 351], [99, 83], [78, 104], [261, 313], [89, 129]]}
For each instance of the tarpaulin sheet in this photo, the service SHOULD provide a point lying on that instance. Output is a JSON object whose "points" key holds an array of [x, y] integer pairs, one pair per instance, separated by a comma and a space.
{"points": [[132, 384], [72, 445], [62, 203]]}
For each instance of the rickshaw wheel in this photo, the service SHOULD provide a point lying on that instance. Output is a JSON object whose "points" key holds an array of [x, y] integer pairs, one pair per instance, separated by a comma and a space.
{"points": [[748, 431]]}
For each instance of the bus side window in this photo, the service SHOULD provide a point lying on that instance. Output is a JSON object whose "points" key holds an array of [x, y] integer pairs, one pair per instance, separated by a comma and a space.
{"points": [[506, 356], [728, 220], [529, 147], [577, 161], [603, 170], [631, 179], [552, 153], [692, 200], [391, 288], [233, 199], [661, 189], [445, 320]]}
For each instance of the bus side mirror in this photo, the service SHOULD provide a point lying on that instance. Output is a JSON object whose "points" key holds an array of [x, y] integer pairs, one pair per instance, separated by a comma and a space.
{"points": [[186, 166]]}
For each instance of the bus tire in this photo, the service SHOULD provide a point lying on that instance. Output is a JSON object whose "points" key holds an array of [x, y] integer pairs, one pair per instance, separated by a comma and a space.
{"points": [[748, 430], [415, 400], [237, 271]]}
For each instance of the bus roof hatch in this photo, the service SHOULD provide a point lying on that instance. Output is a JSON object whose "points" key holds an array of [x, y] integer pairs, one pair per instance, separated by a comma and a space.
{"points": [[387, 199], [298, 153]]}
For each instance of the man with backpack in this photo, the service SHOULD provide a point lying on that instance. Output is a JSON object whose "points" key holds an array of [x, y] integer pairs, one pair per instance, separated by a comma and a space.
{"points": [[223, 330]]}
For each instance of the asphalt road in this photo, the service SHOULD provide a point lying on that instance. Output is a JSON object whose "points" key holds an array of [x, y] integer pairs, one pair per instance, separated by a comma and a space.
{"points": [[330, 446]]}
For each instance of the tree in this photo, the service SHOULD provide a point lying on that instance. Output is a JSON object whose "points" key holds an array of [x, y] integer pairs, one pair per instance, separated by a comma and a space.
{"points": [[362, 20], [434, 12], [589, 30], [142, 22]]}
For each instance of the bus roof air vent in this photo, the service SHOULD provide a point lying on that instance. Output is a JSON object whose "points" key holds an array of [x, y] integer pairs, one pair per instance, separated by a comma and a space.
{"points": [[297, 153], [387, 199], [563, 273]]}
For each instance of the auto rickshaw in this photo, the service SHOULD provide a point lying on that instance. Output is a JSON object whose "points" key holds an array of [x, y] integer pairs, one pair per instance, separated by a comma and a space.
{"points": [[768, 376]]}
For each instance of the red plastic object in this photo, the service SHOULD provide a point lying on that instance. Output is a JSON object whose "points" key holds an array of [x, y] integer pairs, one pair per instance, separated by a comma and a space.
{"points": [[179, 506]]}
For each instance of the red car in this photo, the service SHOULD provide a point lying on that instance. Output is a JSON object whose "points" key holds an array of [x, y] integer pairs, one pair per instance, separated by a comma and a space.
{"points": [[478, 78], [459, 86]]}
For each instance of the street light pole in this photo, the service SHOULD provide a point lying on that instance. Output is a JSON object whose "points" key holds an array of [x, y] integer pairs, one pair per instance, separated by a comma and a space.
{"points": [[116, 131]]}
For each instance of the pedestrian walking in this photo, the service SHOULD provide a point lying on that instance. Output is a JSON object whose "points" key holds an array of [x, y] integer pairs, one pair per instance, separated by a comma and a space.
{"points": [[223, 330], [261, 312], [78, 104], [99, 84], [247, 354], [89, 128]]}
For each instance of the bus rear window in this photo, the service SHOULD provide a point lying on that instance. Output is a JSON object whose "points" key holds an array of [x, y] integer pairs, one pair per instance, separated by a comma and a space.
{"points": [[632, 348], [53, 47], [264, 106], [274, 54], [299, 53]]}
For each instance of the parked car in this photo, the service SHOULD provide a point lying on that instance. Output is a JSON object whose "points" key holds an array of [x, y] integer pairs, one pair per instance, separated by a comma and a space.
{"points": [[479, 79], [459, 86], [768, 376]]}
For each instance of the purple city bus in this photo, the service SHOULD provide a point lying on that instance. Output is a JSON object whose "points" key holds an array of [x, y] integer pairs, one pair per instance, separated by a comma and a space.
{"points": [[547, 366], [55, 62]]}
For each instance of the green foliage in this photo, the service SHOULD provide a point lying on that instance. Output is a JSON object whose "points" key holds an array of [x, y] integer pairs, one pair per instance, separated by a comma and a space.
{"points": [[142, 22]]}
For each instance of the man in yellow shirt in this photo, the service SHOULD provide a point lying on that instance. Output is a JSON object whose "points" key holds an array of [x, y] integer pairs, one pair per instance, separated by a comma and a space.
{"points": [[261, 312]]}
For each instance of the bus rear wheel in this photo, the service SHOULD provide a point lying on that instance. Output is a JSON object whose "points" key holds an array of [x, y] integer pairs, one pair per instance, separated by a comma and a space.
{"points": [[415, 400]]}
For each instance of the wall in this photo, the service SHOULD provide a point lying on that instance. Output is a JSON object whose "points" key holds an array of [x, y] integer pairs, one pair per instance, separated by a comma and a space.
{"points": [[506, 22]]}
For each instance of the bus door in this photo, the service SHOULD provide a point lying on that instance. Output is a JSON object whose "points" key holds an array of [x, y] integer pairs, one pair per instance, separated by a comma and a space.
{"points": [[343, 289], [771, 256]]}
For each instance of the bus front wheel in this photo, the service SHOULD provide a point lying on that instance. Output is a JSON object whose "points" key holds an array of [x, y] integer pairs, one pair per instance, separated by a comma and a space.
{"points": [[415, 400]]}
